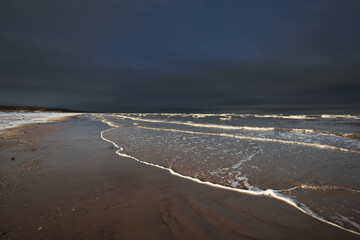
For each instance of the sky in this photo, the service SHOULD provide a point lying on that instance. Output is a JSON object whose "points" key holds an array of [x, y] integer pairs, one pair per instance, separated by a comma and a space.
{"points": [[181, 55]]}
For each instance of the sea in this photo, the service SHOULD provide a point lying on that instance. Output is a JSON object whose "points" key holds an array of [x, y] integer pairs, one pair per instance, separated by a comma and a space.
{"points": [[311, 162]]}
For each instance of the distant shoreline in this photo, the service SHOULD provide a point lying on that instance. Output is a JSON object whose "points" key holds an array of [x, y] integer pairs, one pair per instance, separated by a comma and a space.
{"points": [[34, 109]]}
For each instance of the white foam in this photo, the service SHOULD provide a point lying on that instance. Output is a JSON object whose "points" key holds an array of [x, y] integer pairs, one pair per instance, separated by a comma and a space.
{"points": [[327, 188], [281, 116], [15, 119], [269, 192], [312, 131], [357, 211], [345, 219], [237, 171], [107, 140], [111, 124], [340, 116]]}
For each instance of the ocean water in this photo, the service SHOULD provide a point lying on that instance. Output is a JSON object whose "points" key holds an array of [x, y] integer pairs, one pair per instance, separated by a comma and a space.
{"points": [[14, 119], [312, 162]]}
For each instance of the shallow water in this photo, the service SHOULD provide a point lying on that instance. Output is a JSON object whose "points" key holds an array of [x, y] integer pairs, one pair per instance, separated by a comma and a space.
{"points": [[311, 161]]}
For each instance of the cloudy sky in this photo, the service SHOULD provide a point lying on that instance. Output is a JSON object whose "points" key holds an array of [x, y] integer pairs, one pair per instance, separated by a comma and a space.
{"points": [[180, 55]]}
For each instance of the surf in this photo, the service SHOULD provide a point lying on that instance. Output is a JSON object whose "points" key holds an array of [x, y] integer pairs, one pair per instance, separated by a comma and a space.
{"points": [[276, 194]]}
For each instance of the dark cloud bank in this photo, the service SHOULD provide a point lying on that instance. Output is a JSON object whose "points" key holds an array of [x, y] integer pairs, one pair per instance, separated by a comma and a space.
{"points": [[172, 55]]}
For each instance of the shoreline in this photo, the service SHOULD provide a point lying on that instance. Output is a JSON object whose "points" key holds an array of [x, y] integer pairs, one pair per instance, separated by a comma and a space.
{"points": [[114, 196], [271, 193]]}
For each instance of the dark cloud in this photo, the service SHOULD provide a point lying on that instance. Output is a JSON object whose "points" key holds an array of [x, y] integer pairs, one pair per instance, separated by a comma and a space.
{"points": [[169, 55]]}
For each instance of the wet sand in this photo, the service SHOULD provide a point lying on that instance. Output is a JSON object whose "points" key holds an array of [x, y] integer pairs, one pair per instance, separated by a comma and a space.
{"points": [[65, 183]]}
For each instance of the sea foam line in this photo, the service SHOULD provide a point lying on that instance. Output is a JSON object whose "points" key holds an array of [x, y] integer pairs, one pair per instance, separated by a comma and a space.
{"points": [[314, 145], [281, 116], [15, 119], [268, 193], [200, 125]]}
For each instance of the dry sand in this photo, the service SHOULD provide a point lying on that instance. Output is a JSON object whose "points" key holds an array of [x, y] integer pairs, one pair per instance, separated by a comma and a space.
{"points": [[65, 183]]}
